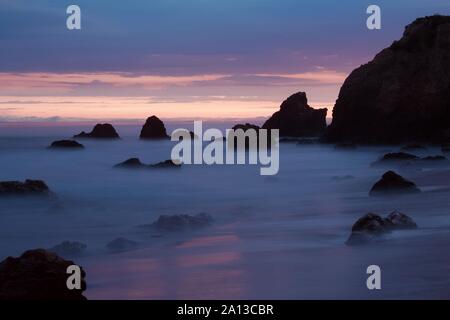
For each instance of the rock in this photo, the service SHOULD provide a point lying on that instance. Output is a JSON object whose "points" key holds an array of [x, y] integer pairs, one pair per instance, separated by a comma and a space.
{"points": [[245, 128], [66, 144], [297, 119], [101, 131], [392, 183], [122, 244], [395, 157], [29, 187], [130, 163], [37, 275], [69, 248], [398, 220], [412, 147], [403, 94], [182, 222], [154, 129], [371, 227], [434, 158], [166, 164]]}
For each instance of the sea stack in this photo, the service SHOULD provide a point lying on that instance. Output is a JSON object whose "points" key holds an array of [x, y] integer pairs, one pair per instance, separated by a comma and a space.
{"points": [[403, 94], [100, 131], [154, 129], [297, 119]]}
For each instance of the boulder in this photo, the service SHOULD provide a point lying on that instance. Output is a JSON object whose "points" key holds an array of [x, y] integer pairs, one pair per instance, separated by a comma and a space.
{"points": [[372, 227], [69, 248], [121, 244], [297, 119], [37, 275], [403, 94], [29, 187], [66, 144], [130, 163], [166, 164], [100, 131], [154, 129], [392, 183], [182, 222]]}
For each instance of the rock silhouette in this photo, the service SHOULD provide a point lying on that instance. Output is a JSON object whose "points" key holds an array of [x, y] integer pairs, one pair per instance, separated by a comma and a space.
{"points": [[130, 163], [297, 119], [403, 94], [135, 163], [371, 227], [66, 144], [29, 187], [100, 131], [37, 275], [154, 129], [391, 183]]}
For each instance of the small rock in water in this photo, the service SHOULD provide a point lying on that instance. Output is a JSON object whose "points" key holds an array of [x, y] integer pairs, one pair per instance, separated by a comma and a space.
{"points": [[166, 164], [182, 222], [69, 248], [66, 144], [29, 187], [37, 275], [122, 244], [434, 158], [100, 131], [372, 227], [130, 163], [153, 129], [392, 183]]}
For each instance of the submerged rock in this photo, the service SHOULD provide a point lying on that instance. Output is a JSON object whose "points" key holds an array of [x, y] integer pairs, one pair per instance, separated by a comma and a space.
{"points": [[66, 144], [37, 275], [434, 158], [403, 94], [29, 187], [182, 222], [372, 227], [131, 163], [297, 119], [153, 129], [392, 183], [69, 248], [166, 164], [121, 244], [101, 131]]}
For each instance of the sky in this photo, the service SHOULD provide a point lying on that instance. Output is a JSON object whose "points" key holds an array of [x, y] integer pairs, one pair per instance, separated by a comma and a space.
{"points": [[185, 59]]}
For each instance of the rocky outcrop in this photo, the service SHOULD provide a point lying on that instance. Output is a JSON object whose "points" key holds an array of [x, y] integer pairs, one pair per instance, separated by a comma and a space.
{"points": [[371, 227], [154, 129], [121, 244], [392, 183], [29, 187], [403, 94], [182, 222], [100, 131], [135, 163], [69, 248], [37, 275], [66, 144], [297, 119]]}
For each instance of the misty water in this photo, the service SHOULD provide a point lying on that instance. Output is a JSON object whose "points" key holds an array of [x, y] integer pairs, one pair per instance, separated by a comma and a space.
{"points": [[273, 237]]}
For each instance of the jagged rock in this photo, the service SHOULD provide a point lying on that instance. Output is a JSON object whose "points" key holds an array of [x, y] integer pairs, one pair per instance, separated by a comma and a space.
{"points": [[69, 248], [166, 164], [182, 222], [122, 244], [297, 119], [372, 227], [37, 275], [392, 183], [403, 94], [131, 163], [101, 131], [66, 144], [154, 129], [30, 187]]}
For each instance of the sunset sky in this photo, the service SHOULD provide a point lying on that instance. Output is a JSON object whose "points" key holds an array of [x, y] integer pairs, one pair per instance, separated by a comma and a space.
{"points": [[185, 58]]}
